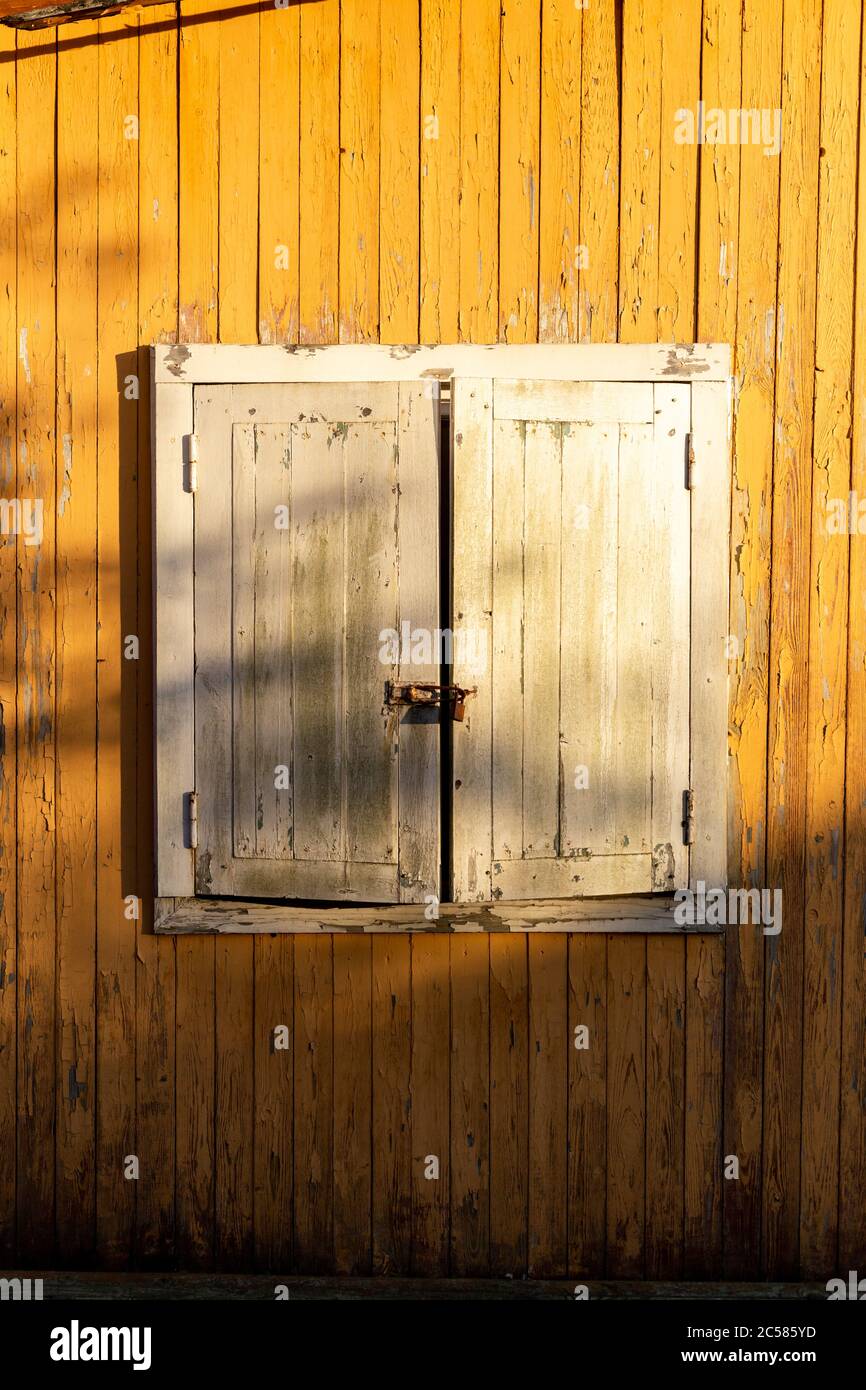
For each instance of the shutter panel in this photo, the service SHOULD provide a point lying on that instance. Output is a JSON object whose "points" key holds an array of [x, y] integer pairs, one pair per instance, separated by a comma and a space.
{"points": [[571, 566], [316, 531]]}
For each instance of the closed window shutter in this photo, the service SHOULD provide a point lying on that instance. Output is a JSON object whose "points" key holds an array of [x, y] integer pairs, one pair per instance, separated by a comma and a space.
{"points": [[316, 532], [572, 571]]}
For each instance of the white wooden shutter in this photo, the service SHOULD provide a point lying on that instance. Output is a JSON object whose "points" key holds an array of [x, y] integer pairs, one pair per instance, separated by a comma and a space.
{"points": [[316, 530], [571, 566]]}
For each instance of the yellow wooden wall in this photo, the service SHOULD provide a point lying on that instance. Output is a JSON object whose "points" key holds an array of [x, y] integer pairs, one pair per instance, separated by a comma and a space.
{"points": [[431, 169]]}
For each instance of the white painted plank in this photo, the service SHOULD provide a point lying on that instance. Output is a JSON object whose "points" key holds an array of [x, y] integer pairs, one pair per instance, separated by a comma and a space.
{"points": [[633, 715], [577, 402], [242, 650], [273, 641], [207, 362], [670, 634], [514, 879], [509, 439], [174, 716], [418, 730], [355, 402], [541, 640], [370, 745], [472, 427], [624, 915], [213, 608], [588, 637], [318, 589]]}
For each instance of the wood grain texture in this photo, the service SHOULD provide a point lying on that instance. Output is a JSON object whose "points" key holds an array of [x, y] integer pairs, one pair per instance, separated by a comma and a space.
{"points": [[789, 639], [852, 1134], [77, 225], [155, 960], [399, 170], [279, 146], [757, 325], [8, 651], [319, 171], [173, 235], [440, 171], [519, 159], [828, 641], [35, 715]]}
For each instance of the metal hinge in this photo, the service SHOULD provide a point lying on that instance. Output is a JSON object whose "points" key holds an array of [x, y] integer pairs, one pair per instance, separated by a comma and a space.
{"points": [[192, 461], [690, 463], [688, 817], [192, 799]]}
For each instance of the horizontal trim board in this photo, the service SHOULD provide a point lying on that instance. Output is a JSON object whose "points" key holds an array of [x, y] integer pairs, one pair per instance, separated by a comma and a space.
{"points": [[574, 402], [216, 364], [197, 916]]}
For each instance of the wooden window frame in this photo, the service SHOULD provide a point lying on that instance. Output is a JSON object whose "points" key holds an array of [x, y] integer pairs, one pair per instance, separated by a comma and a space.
{"points": [[176, 371]]}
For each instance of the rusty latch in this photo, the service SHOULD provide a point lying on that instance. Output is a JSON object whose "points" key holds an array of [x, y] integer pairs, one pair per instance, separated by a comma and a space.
{"points": [[428, 693]]}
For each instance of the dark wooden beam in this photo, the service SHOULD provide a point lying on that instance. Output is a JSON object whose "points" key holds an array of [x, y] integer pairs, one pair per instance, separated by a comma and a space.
{"points": [[25, 14]]}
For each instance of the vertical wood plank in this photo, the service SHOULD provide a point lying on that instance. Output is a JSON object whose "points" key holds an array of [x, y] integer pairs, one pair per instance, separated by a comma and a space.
{"points": [[399, 170], [195, 1158], [420, 839], [440, 171], [789, 636], [77, 191], [479, 171], [198, 239], [430, 1083], [507, 623], [588, 646], [470, 1105], [665, 1120], [828, 638], [680, 63], [702, 1218], [237, 321], [233, 1124], [320, 171], [757, 328], [353, 1116], [318, 583], [719, 243], [519, 79], [509, 1104], [359, 170], [587, 1103], [852, 1132], [391, 1112], [198, 231], [238, 176], [598, 293], [542, 581], [547, 1085], [279, 154], [640, 158], [314, 1105], [472, 430], [155, 955], [560, 257], [8, 647], [116, 601], [273, 1136], [35, 718], [626, 1113]]}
